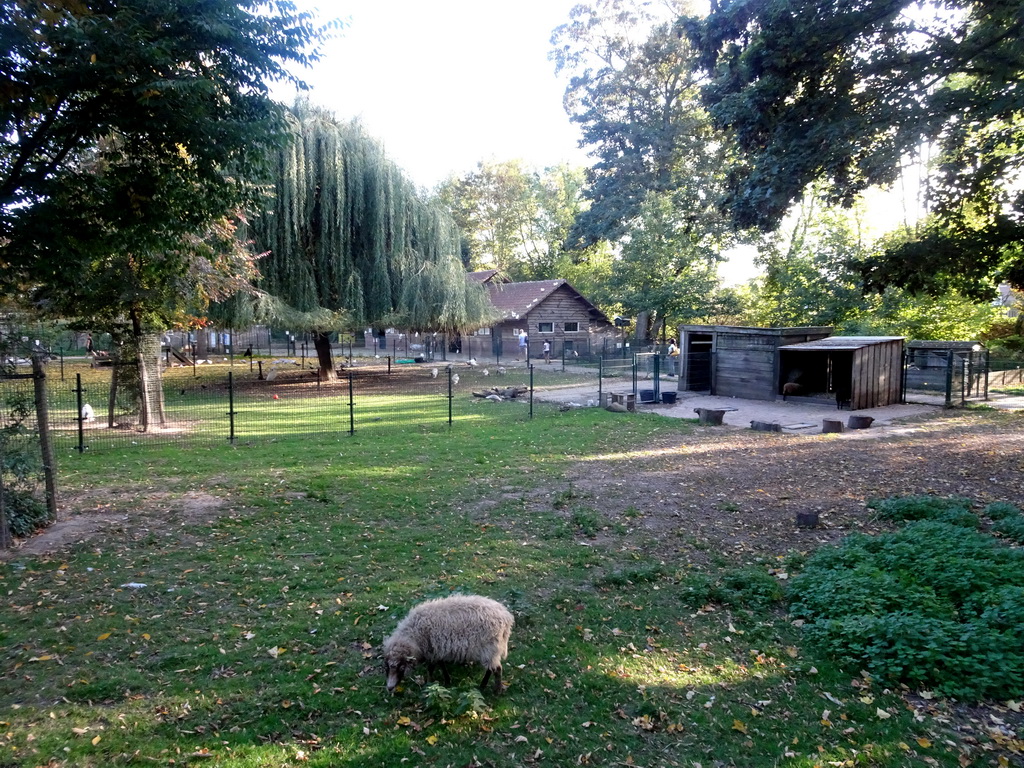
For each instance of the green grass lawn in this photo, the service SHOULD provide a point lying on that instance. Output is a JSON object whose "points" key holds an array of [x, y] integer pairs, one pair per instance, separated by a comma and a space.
{"points": [[254, 641]]}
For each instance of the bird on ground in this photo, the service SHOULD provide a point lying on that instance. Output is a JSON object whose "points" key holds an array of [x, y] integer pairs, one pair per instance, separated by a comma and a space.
{"points": [[486, 372], [501, 371], [471, 362], [87, 412], [455, 378], [433, 373]]}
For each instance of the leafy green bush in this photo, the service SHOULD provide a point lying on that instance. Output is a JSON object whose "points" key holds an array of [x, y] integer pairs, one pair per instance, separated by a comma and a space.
{"points": [[932, 605], [25, 513], [739, 588], [1011, 528], [909, 508], [1000, 510], [20, 467], [629, 576]]}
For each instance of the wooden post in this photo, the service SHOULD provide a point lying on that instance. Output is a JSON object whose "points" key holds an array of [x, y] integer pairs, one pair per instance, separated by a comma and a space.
{"points": [[45, 446]]}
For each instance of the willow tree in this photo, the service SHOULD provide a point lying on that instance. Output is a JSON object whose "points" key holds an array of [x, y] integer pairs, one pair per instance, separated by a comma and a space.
{"points": [[347, 235]]}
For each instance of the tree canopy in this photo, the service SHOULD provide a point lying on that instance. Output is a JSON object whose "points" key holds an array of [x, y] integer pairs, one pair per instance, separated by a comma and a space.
{"points": [[845, 92], [513, 218], [345, 231], [129, 129], [633, 92]]}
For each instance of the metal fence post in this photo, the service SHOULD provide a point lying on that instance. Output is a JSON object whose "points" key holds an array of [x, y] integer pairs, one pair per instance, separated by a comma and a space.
{"points": [[657, 376], [985, 362], [949, 378], [600, 380], [449, 396], [231, 407], [351, 403], [81, 418], [531, 390]]}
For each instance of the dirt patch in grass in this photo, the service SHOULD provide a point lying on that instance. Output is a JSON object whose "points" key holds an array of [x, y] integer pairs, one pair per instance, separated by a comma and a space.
{"points": [[98, 515], [737, 492]]}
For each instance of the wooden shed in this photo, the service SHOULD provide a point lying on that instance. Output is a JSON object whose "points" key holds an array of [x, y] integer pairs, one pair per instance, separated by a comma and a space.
{"points": [[548, 310], [852, 371], [736, 361]]}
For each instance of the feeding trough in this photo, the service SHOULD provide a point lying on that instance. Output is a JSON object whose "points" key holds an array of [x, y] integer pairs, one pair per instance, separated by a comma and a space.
{"points": [[860, 422]]}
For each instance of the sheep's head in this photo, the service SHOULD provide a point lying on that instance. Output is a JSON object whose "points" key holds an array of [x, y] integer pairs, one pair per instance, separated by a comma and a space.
{"points": [[396, 668], [400, 656]]}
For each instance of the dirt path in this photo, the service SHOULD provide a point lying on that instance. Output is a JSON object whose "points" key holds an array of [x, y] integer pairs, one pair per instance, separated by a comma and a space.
{"points": [[736, 491]]}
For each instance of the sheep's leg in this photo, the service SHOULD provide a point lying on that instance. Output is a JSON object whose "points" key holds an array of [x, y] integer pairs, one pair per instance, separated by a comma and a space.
{"points": [[497, 679], [447, 676]]}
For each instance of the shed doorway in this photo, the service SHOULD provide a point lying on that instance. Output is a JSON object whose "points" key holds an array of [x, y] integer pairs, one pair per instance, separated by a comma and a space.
{"points": [[698, 362]]}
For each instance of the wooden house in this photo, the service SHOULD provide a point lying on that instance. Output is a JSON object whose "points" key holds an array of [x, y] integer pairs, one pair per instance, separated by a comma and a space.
{"points": [[735, 361], [548, 310], [851, 371]]}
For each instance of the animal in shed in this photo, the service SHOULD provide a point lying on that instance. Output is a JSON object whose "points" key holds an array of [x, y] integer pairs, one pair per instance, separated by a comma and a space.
{"points": [[791, 388], [461, 629]]}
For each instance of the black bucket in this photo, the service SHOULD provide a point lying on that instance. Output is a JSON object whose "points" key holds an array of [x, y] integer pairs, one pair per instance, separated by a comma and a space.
{"points": [[669, 398], [646, 395]]}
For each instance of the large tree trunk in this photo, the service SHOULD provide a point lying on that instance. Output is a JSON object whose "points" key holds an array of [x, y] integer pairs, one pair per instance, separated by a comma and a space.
{"points": [[322, 344]]}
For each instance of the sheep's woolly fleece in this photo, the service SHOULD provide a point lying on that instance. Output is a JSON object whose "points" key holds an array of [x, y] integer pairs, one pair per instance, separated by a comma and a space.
{"points": [[461, 629]]}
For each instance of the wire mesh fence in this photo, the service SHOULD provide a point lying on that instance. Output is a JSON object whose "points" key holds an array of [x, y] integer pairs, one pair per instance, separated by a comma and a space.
{"points": [[93, 407]]}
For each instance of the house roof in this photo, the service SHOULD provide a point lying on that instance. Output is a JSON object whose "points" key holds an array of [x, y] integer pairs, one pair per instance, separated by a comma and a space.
{"points": [[515, 300], [834, 343], [482, 276]]}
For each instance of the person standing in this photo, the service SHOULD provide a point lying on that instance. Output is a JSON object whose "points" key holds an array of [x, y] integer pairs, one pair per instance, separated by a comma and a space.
{"points": [[547, 351], [524, 342], [673, 359]]}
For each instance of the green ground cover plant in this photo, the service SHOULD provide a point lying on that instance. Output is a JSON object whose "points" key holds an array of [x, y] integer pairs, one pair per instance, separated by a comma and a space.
{"points": [[935, 605], [232, 612]]}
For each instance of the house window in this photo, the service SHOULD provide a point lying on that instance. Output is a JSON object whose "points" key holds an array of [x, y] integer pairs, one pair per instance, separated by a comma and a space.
{"points": [[545, 327], [572, 327], [483, 332]]}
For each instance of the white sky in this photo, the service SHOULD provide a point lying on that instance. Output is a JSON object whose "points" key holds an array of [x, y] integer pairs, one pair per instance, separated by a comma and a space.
{"points": [[448, 83]]}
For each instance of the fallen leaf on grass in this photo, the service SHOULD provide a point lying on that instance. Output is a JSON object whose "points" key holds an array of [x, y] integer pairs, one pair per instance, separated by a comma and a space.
{"points": [[882, 714], [739, 725], [924, 742]]}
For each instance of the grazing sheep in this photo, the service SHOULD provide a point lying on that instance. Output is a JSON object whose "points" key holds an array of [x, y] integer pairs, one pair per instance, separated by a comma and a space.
{"points": [[461, 629], [791, 388]]}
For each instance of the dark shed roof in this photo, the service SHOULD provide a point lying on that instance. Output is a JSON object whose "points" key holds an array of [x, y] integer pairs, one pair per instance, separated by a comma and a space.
{"points": [[841, 343]]}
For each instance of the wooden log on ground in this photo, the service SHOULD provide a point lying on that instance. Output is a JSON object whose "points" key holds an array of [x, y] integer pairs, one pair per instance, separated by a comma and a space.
{"points": [[709, 416], [831, 425], [765, 426], [859, 422]]}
